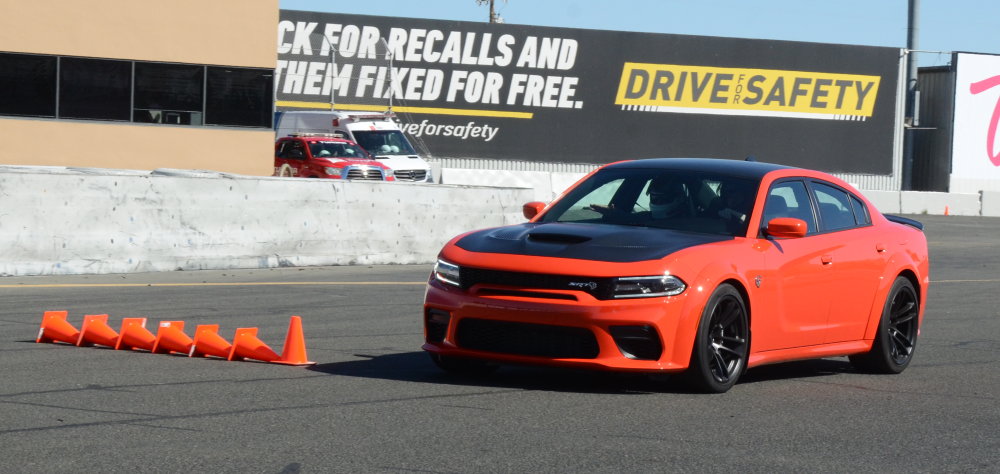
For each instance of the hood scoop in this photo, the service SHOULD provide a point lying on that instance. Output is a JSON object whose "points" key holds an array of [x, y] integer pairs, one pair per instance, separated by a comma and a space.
{"points": [[600, 242], [557, 238]]}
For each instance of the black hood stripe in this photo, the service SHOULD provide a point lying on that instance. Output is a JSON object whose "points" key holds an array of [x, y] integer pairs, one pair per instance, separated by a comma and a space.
{"points": [[599, 242]]}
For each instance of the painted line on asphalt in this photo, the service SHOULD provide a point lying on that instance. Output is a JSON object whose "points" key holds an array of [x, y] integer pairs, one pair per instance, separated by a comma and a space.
{"points": [[966, 281], [260, 283]]}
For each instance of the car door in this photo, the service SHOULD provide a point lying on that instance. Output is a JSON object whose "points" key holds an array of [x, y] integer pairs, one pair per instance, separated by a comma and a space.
{"points": [[854, 264], [795, 282], [294, 154]]}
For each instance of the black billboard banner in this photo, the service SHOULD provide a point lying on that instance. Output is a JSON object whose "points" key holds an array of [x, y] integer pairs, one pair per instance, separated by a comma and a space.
{"points": [[515, 92]]}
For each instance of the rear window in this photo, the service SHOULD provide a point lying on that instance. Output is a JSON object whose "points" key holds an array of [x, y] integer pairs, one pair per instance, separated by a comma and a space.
{"points": [[835, 208]]}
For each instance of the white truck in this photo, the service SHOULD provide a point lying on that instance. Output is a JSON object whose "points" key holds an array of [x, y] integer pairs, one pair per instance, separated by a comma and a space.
{"points": [[376, 132]]}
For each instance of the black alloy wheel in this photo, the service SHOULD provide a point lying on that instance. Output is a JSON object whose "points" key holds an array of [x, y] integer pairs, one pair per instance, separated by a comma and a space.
{"points": [[722, 343], [896, 337]]}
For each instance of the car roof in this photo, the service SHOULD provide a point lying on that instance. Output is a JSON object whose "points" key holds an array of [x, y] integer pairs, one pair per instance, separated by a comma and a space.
{"points": [[316, 138], [736, 168]]}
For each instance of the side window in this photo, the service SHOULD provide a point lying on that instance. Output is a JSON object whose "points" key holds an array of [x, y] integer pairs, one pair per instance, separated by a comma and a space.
{"points": [[789, 199], [601, 196], [291, 149], [835, 209], [860, 211]]}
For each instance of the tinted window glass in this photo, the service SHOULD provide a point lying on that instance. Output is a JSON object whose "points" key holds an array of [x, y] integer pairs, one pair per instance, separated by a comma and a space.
{"points": [[690, 201], [95, 89], [322, 149], [27, 85], [109, 89], [860, 211], [291, 149], [789, 199], [383, 142], [834, 207], [169, 93], [239, 97]]}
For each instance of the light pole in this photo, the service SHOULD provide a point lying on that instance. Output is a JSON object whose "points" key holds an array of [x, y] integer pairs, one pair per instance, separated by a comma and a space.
{"points": [[911, 120]]}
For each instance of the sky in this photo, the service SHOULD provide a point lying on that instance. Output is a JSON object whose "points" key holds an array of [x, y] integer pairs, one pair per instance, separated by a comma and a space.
{"points": [[943, 26]]}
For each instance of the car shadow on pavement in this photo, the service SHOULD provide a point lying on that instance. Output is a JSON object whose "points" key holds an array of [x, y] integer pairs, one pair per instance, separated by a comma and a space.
{"points": [[417, 367], [800, 369]]}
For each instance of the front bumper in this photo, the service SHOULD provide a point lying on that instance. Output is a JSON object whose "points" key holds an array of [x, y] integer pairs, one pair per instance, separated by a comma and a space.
{"points": [[557, 328]]}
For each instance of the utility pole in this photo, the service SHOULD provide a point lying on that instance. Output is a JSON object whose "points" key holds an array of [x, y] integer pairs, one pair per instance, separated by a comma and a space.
{"points": [[911, 119], [494, 18]]}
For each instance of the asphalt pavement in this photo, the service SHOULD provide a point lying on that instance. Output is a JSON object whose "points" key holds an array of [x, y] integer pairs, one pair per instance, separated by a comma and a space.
{"points": [[375, 403]]}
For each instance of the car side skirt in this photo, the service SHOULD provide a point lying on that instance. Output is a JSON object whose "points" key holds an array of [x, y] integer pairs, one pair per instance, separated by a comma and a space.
{"points": [[809, 352]]}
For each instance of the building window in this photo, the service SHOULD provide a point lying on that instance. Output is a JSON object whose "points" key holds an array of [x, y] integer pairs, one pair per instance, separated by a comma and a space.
{"points": [[27, 85], [169, 93], [237, 96], [97, 89], [137, 91]]}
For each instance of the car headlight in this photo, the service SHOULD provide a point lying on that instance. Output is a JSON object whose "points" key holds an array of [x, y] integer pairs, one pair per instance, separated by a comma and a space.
{"points": [[647, 286], [332, 171], [447, 272]]}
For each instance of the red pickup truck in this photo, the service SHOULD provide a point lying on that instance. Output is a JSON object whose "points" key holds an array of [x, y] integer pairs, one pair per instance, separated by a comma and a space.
{"points": [[326, 156]]}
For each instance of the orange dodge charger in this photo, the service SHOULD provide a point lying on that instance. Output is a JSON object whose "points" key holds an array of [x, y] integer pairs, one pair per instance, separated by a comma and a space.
{"points": [[704, 267]]}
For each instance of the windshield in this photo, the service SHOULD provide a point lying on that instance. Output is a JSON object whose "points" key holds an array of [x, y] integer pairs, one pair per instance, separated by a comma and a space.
{"points": [[336, 150], [668, 199], [383, 142]]}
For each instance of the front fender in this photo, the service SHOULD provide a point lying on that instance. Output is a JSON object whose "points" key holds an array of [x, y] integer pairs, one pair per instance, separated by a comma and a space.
{"points": [[702, 286]]}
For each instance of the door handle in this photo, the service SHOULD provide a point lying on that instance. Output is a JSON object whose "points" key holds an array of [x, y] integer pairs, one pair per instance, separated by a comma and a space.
{"points": [[880, 247], [826, 259]]}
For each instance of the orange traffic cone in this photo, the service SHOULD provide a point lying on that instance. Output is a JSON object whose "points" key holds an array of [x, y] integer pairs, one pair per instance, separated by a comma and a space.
{"points": [[170, 337], [134, 335], [294, 351], [96, 331], [247, 346], [55, 328], [946, 211], [207, 341]]}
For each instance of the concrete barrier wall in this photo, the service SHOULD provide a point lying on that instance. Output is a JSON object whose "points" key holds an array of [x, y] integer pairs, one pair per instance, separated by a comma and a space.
{"points": [[955, 204], [991, 203], [545, 185], [58, 220], [887, 202], [63, 221]]}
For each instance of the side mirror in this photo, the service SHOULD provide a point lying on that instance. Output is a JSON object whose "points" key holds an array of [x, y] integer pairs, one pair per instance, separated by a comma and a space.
{"points": [[786, 228], [532, 209]]}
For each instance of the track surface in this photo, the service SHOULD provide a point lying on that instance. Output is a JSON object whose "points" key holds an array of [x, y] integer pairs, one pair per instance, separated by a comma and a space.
{"points": [[375, 403]]}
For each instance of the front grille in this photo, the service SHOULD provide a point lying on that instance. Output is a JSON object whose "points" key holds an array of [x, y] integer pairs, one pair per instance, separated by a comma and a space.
{"points": [[600, 288], [411, 175], [370, 173], [525, 294], [538, 340]]}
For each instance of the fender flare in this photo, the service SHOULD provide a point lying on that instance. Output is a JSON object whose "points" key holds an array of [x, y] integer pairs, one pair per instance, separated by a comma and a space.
{"points": [[701, 288], [898, 264]]}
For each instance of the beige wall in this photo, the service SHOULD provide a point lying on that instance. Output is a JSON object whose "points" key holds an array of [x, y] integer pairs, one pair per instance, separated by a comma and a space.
{"points": [[223, 32], [214, 32], [134, 146]]}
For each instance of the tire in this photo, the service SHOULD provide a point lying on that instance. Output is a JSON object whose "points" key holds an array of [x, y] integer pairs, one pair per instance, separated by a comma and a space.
{"points": [[462, 366], [722, 343], [896, 336]]}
